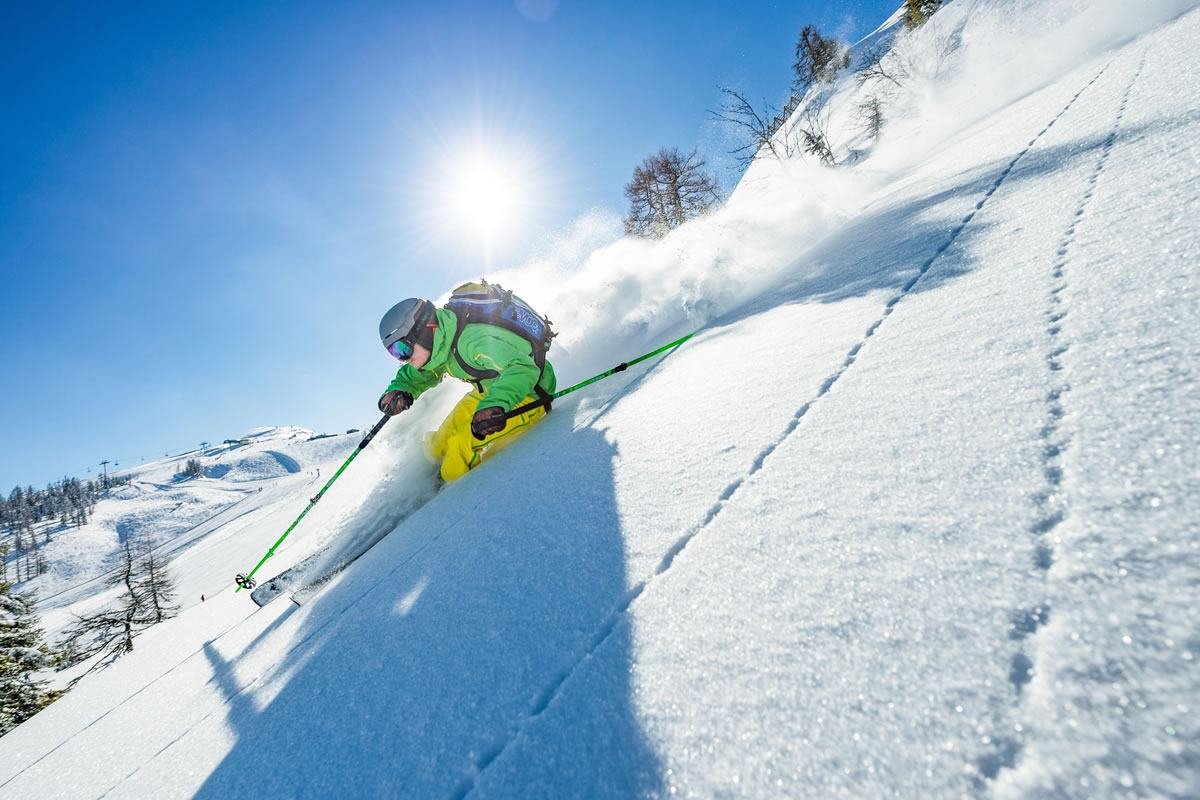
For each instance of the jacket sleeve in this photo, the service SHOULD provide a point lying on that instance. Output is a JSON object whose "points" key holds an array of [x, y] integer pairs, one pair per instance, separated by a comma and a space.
{"points": [[507, 354], [414, 381]]}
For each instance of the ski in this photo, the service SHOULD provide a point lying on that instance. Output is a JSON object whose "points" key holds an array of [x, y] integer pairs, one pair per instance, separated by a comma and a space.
{"points": [[269, 589], [311, 589], [308, 577]]}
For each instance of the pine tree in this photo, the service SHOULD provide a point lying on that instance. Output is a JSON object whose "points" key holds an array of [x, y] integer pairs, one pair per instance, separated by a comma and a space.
{"points": [[24, 547], [819, 59], [193, 469], [870, 114], [22, 653], [39, 557]]}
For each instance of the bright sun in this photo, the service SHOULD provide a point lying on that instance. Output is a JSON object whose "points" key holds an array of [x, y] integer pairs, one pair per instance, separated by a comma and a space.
{"points": [[484, 191], [484, 194]]}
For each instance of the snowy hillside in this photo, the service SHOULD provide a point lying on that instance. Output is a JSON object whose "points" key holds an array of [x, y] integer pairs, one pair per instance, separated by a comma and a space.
{"points": [[202, 525], [914, 515]]}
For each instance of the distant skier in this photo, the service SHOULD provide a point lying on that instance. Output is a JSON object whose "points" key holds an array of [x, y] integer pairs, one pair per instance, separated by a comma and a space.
{"points": [[483, 335]]}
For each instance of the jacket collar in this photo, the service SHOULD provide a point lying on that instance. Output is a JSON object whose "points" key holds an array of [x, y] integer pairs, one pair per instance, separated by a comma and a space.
{"points": [[447, 324]]}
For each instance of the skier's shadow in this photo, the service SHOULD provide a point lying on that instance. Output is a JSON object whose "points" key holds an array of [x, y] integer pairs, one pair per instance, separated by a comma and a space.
{"points": [[448, 659]]}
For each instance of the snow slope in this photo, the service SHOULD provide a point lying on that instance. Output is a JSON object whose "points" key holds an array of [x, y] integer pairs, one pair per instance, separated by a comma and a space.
{"points": [[208, 527], [914, 515]]}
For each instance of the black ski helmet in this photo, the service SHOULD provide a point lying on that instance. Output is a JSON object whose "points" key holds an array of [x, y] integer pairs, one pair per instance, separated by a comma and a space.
{"points": [[408, 321]]}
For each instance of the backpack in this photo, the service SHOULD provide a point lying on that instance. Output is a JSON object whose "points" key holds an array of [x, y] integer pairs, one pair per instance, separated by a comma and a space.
{"points": [[491, 304]]}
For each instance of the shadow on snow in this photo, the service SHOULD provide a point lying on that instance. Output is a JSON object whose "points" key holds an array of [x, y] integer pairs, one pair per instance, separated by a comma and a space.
{"points": [[436, 669]]}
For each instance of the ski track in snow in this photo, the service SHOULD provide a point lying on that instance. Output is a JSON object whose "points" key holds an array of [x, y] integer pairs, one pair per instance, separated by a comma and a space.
{"points": [[332, 619], [547, 696], [198, 652], [117, 706], [1051, 502]]}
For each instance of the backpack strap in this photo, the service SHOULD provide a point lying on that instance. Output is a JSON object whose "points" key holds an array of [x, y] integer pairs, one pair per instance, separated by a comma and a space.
{"points": [[542, 394], [477, 375], [480, 375]]}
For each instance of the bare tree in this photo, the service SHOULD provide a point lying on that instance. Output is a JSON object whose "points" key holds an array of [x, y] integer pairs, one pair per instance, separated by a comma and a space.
{"points": [[147, 599], [759, 129], [110, 631], [876, 65], [819, 59], [668, 189], [908, 60]]}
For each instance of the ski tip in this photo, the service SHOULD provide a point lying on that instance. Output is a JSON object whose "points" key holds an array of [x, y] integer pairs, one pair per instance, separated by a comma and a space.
{"points": [[266, 593]]}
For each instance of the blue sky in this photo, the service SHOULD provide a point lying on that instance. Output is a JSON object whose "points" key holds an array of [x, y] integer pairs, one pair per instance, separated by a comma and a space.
{"points": [[205, 207]]}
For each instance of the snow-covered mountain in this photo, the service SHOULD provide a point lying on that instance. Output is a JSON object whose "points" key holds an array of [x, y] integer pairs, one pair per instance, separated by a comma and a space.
{"points": [[915, 514]]}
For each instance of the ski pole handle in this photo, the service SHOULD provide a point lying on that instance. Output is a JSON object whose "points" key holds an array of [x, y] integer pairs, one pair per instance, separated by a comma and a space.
{"points": [[371, 433]]}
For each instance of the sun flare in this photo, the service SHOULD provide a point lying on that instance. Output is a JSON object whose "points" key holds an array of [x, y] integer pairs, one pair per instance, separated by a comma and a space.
{"points": [[485, 191], [484, 194]]}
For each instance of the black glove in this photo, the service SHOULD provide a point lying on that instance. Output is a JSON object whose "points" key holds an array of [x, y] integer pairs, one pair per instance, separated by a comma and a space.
{"points": [[395, 401], [488, 421]]}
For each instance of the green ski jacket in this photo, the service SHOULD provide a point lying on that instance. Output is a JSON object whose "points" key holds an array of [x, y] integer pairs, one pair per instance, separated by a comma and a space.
{"points": [[483, 347]]}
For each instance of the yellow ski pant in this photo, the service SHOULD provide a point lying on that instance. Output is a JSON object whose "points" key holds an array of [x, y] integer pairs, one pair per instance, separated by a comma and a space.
{"points": [[459, 451]]}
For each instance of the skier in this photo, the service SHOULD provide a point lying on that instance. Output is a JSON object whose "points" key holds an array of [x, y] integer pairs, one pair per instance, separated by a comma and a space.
{"points": [[477, 338]]}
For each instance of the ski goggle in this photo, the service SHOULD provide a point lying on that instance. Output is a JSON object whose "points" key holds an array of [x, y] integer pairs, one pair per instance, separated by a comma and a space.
{"points": [[400, 350]]}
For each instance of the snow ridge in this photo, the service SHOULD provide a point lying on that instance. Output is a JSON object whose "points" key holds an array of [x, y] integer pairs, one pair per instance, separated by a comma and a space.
{"points": [[1051, 502], [619, 613]]}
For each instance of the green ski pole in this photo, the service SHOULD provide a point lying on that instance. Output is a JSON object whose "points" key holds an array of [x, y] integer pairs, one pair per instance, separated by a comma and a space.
{"points": [[624, 365], [247, 581]]}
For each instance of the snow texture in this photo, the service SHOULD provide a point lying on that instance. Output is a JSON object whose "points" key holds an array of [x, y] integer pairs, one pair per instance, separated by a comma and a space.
{"points": [[914, 514]]}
